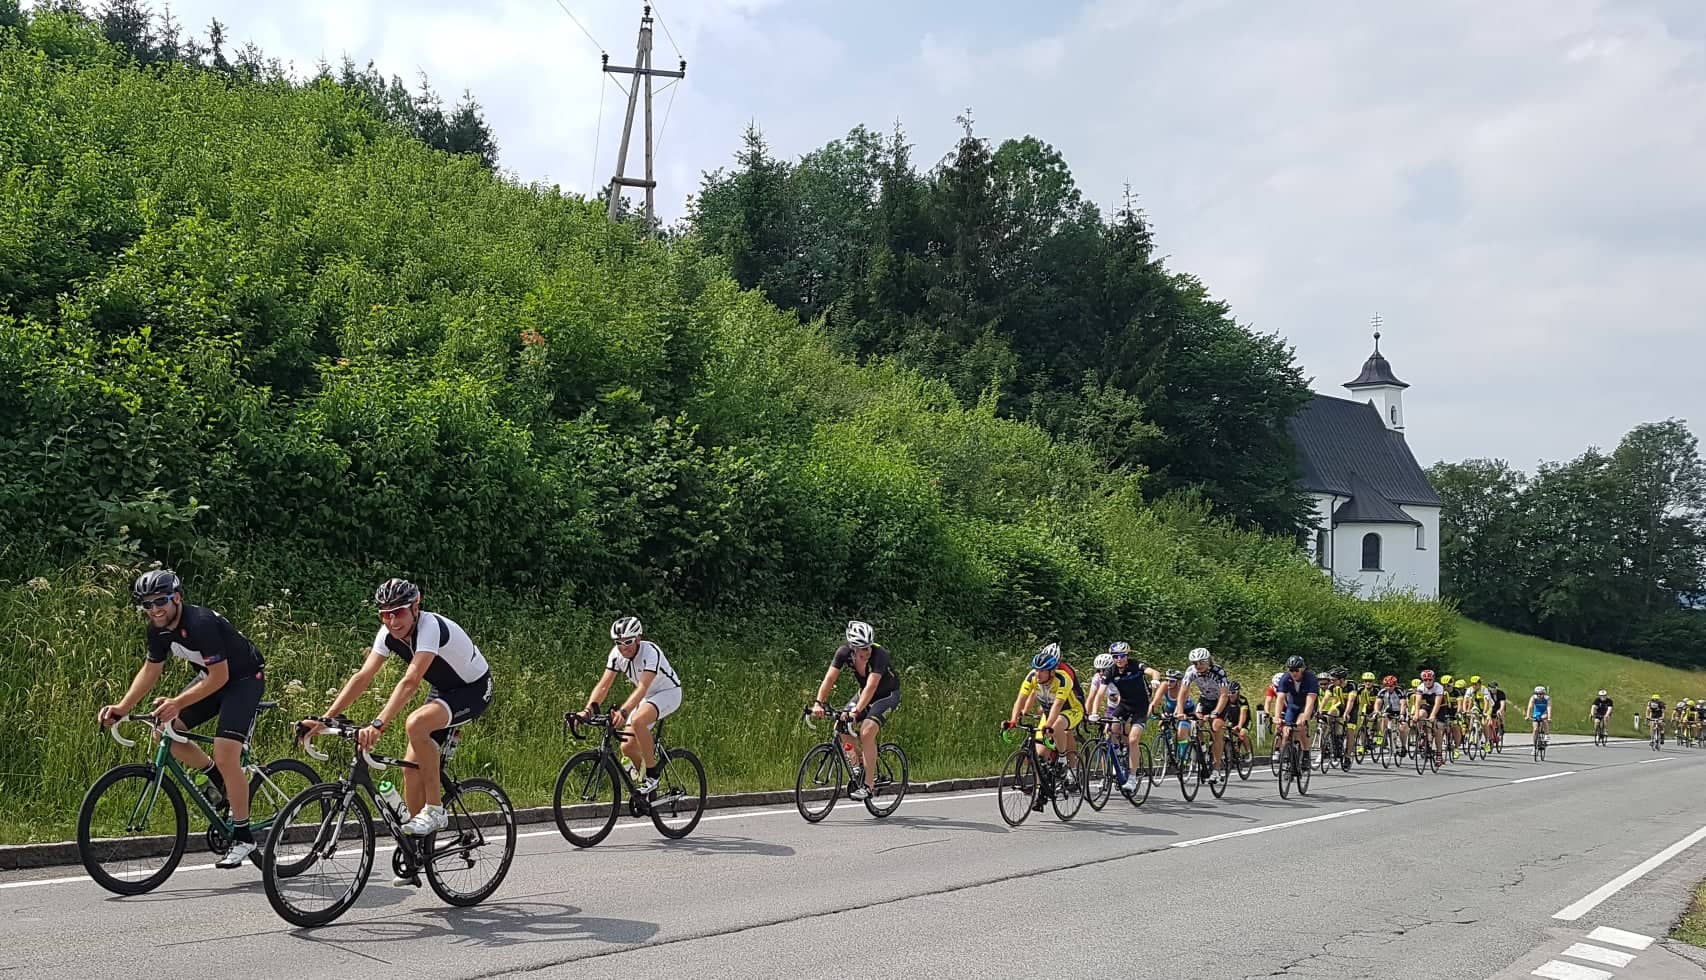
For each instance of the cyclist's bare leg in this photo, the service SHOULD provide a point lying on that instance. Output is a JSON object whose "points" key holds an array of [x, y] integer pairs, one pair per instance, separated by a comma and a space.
{"points": [[421, 786], [638, 746]]}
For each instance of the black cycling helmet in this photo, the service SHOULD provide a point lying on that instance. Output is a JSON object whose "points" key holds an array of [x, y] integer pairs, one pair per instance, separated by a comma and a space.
{"points": [[1340, 673], [396, 593], [1294, 663], [159, 582]]}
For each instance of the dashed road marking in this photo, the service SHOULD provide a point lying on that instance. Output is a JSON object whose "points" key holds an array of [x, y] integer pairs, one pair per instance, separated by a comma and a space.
{"points": [[1631, 940]]}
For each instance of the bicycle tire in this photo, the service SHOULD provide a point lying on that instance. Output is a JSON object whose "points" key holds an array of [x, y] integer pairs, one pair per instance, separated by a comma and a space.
{"points": [[334, 800], [92, 846], [593, 773], [268, 795], [1246, 760], [1285, 767], [1303, 775], [1189, 781], [820, 770], [680, 794], [1099, 775], [1145, 777], [1221, 776], [892, 770], [468, 825], [1016, 789], [1067, 800]]}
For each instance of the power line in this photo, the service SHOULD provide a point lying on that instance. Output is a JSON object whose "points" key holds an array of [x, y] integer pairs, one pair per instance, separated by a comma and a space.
{"points": [[578, 24], [665, 127], [665, 27], [598, 134]]}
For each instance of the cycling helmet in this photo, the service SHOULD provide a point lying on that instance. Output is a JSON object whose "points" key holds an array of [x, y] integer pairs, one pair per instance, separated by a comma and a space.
{"points": [[1389, 681], [1119, 647], [396, 593], [626, 628], [1446, 680], [159, 582], [1340, 673], [1476, 679], [1656, 698], [1428, 675], [1175, 675], [1294, 662], [1368, 675], [1602, 694], [1415, 682], [1234, 687], [1690, 702], [1492, 685], [1104, 661], [1540, 689], [1048, 658], [1278, 677], [1199, 655], [860, 634]]}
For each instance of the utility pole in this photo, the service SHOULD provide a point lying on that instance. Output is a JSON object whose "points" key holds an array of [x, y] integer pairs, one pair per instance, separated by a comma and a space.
{"points": [[642, 71]]}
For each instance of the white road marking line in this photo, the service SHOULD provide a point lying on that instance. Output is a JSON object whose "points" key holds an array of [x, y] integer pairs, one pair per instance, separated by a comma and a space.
{"points": [[387, 851], [1262, 830], [1574, 911], [1599, 954], [1550, 775], [1633, 940], [1559, 970], [1648, 762]]}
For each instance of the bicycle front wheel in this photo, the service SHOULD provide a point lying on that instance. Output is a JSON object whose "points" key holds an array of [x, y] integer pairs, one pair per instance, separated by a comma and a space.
{"points": [[125, 807], [1018, 787], [820, 772], [587, 798], [468, 860], [317, 858], [1246, 760], [1098, 776], [1190, 773], [679, 801], [1144, 770], [1068, 796]]}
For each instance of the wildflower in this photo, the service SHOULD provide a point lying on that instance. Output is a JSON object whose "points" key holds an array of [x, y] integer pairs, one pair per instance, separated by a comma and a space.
{"points": [[37, 584]]}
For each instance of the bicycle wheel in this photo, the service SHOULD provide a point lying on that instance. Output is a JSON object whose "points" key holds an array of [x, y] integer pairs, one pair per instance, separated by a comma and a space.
{"points": [[270, 788], [1221, 775], [1145, 773], [1068, 796], [122, 808], [1287, 768], [587, 798], [317, 858], [468, 860], [893, 780], [1246, 759], [1276, 760], [1099, 775], [1016, 791], [679, 801], [1542, 747], [1302, 774], [820, 771], [1190, 772]]}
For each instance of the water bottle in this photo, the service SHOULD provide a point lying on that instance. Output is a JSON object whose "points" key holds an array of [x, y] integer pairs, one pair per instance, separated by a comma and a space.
{"points": [[210, 789], [388, 793]]}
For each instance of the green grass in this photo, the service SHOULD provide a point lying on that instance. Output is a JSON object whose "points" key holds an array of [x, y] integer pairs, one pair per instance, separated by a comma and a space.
{"points": [[1691, 928], [1573, 674]]}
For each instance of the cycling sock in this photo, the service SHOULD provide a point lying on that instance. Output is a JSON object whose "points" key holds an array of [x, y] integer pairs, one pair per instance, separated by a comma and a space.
{"points": [[213, 775], [240, 831], [651, 772]]}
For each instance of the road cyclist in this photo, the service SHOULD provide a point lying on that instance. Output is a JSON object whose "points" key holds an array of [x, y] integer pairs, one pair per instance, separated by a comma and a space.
{"points": [[877, 697], [1600, 713]]}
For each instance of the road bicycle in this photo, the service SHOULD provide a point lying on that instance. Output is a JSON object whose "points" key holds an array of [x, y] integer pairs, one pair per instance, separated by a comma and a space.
{"points": [[1656, 738], [318, 860], [831, 767], [1330, 742], [1035, 775], [1425, 747], [1243, 753], [133, 826], [1106, 757], [1195, 765], [588, 795], [1540, 740], [1600, 737], [1293, 769]]}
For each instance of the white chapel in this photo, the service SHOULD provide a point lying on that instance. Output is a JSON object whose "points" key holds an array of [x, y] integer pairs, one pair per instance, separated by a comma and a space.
{"points": [[1376, 516]]}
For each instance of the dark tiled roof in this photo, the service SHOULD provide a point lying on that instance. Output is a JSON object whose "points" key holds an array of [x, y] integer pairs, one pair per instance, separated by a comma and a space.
{"points": [[1376, 371], [1339, 441], [1368, 506]]}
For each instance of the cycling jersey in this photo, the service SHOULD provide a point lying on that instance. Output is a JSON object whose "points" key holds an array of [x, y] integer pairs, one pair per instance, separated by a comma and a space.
{"points": [[204, 638], [1431, 695], [1656, 709], [1602, 707], [1331, 700], [456, 660], [1541, 706], [1391, 700], [878, 663], [1058, 687], [1131, 685], [1294, 692], [1208, 682], [647, 656], [1235, 709]]}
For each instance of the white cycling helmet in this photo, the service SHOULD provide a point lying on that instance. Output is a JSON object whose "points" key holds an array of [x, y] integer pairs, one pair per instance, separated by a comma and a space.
{"points": [[1199, 655], [626, 628], [1277, 678], [860, 634], [1602, 694], [1540, 689], [1104, 661]]}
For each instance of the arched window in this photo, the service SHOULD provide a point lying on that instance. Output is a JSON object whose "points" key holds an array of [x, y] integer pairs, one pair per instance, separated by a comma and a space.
{"points": [[1322, 560], [1394, 413], [1371, 552]]}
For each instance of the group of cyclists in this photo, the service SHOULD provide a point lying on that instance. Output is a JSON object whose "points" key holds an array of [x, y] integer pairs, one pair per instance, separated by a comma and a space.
{"points": [[1687, 718]]}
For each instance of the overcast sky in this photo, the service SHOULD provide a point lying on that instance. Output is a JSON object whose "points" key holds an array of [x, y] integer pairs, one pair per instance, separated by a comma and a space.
{"points": [[1518, 188]]}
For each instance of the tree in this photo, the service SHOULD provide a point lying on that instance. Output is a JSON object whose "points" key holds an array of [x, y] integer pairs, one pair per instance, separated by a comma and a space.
{"points": [[128, 24], [468, 133], [216, 48], [11, 15], [1481, 538]]}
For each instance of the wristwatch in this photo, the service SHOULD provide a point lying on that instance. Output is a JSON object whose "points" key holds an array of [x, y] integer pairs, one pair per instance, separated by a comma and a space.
{"points": [[378, 723]]}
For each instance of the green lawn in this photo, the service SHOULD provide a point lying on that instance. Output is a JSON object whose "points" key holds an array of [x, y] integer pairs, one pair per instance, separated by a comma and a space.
{"points": [[1574, 675]]}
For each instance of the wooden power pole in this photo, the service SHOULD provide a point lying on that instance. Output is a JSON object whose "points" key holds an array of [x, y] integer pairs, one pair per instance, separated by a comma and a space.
{"points": [[643, 73]]}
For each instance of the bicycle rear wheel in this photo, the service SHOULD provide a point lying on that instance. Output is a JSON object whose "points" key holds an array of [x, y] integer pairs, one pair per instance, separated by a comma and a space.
{"points": [[1099, 775], [1068, 796], [1221, 775], [125, 804], [469, 859], [1144, 770], [679, 801], [1246, 758], [1303, 774], [587, 798], [270, 788], [317, 858], [1190, 772], [1016, 791], [892, 781], [820, 772]]}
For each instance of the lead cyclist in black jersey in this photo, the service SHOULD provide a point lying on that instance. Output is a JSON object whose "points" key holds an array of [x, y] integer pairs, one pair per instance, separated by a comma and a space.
{"points": [[437, 651]]}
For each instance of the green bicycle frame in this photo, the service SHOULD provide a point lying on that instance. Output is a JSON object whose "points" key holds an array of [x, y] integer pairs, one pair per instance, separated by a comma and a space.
{"points": [[165, 763]]}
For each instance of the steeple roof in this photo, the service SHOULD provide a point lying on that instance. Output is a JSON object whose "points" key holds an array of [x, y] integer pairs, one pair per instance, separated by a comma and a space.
{"points": [[1376, 371]]}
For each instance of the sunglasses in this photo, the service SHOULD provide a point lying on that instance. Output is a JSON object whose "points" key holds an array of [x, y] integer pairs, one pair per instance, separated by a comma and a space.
{"points": [[396, 613], [1122, 656], [154, 603]]}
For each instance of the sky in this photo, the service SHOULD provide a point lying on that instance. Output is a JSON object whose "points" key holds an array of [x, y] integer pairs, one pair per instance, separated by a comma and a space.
{"points": [[1517, 189]]}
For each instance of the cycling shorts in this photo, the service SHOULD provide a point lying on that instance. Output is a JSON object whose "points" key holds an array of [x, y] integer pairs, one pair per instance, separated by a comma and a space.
{"points": [[1131, 713], [236, 705], [466, 703], [878, 710]]}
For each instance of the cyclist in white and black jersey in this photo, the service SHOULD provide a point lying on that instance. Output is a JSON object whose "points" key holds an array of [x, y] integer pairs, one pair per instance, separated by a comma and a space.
{"points": [[657, 693], [1427, 704], [230, 678], [1212, 694], [438, 652]]}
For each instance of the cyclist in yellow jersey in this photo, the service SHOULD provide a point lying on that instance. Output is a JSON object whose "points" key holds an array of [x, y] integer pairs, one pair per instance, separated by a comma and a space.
{"points": [[1052, 689]]}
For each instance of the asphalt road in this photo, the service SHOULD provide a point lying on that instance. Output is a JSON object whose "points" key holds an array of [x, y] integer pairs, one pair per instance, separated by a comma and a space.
{"points": [[1375, 874]]}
